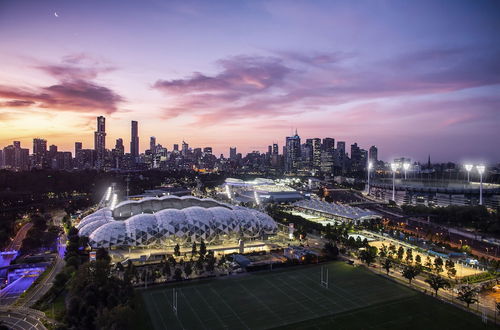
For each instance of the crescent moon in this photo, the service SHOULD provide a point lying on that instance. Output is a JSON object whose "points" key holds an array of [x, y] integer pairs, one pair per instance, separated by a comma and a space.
{"points": [[55, 14]]}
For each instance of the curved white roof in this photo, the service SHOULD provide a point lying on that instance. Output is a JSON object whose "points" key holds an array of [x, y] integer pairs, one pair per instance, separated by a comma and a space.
{"points": [[184, 223]]}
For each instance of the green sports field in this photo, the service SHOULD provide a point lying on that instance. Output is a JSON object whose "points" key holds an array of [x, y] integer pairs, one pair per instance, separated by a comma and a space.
{"points": [[293, 298]]}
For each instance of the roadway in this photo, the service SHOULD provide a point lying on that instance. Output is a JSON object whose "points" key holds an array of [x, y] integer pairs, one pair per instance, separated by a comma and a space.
{"points": [[19, 318], [15, 244]]}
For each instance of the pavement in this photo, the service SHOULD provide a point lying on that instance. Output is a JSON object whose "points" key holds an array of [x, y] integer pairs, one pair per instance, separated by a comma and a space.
{"points": [[19, 318]]}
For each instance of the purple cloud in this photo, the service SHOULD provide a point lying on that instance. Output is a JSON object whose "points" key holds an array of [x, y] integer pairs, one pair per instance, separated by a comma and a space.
{"points": [[75, 91]]}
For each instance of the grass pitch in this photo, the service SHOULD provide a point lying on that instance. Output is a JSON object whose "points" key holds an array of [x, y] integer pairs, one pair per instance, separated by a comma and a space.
{"points": [[293, 298]]}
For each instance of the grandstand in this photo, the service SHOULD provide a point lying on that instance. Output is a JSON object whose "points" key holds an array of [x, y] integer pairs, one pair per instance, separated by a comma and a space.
{"points": [[335, 211]]}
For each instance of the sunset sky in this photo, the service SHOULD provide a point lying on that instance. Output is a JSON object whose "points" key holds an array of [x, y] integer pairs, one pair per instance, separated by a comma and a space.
{"points": [[412, 77]]}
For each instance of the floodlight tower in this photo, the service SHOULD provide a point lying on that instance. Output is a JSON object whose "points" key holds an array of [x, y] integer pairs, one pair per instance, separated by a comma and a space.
{"points": [[406, 167], [369, 168], [468, 168], [394, 168], [480, 169]]}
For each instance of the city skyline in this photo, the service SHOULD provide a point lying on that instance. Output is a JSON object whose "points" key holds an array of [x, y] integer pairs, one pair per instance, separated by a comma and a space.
{"points": [[372, 73]]}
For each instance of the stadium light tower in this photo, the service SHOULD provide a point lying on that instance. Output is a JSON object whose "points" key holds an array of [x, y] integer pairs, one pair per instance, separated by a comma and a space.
{"points": [[394, 168], [468, 168], [406, 167], [369, 168], [480, 169]]}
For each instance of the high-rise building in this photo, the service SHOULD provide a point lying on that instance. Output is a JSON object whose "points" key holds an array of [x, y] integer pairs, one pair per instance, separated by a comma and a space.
{"points": [[232, 153], [15, 157], [39, 153], [275, 149], [52, 151], [134, 140], [176, 147], [327, 155], [185, 148], [328, 144], [207, 150], [152, 145], [118, 153], [100, 141], [39, 146], [340, 156], [316, 154], [373, 154], [292, 155], [78, 147]]}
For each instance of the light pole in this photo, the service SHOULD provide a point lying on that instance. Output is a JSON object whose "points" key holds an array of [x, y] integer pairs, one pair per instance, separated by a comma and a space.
{"points": [[370, 165], [406, 167], [394, 168], [480, 169], [468, 168]]}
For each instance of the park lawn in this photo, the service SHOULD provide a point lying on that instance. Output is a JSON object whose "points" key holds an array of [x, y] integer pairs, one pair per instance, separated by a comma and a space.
{"points": [[293, 298]]}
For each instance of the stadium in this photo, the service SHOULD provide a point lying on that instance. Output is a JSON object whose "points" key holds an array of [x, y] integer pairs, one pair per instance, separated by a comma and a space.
{"points": [[260, 190], [171, 220], [436, 192]]}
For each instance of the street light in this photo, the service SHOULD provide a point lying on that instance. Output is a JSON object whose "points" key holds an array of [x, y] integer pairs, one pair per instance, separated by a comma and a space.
{"points": [[480, 169], [468, 168], [406, 167], [394, 168], [370, 165]]}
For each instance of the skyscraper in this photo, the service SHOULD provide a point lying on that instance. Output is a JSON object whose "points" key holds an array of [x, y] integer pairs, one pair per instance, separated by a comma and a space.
{"points": [[100, 141], [316, 153], [78, 147], [292, 156], [185, 148], [134, 140], [152, 145], [39, 152], [373, 154], [232, 153]]}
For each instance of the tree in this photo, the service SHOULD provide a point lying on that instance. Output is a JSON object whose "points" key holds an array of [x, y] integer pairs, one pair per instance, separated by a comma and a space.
{"points": [[177, 250], [392, 249], [166, 269], [418, 260], [467, 294], [436, 282], [450, 268], [401, 253], [188, 270], [172, 260], [410, 272], [331, 250], [438, 265], [177, 274], [428, 262], [193, 250], [409, 256], [203, 249], [387, 265], [383, 251], [199, 264], [368, 255]]}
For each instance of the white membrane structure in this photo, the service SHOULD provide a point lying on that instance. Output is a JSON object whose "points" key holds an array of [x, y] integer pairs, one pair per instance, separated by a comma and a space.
{"points": [[169, 220]]}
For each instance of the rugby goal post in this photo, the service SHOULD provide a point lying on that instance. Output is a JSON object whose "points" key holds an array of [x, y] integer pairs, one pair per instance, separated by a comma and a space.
{"points": [[324, 277]]}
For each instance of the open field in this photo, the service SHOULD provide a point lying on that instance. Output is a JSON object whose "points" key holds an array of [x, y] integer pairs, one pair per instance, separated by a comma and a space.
{"points": [[293, 298]]}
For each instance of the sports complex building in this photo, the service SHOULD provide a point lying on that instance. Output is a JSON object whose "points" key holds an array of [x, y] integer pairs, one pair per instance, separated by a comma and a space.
{"points": [[325, 212], [261, 190], [168, 220], [436, 193]]}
